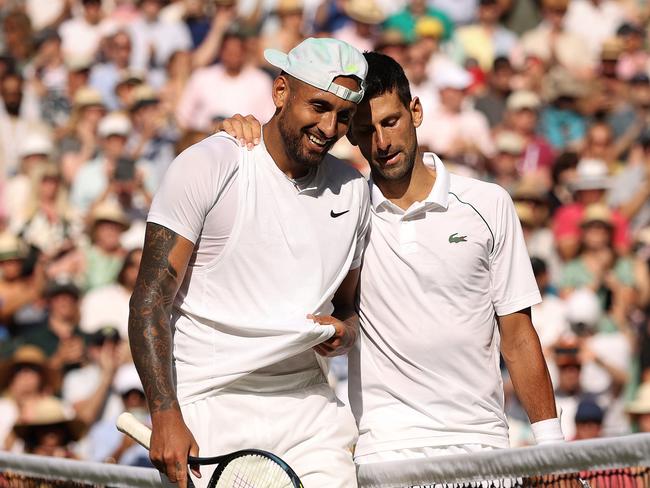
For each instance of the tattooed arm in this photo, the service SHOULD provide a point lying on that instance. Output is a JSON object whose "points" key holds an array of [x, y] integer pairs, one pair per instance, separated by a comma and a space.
{"points": [[164, 261]]}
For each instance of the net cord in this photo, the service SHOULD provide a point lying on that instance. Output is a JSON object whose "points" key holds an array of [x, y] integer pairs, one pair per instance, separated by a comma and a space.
{"points": [[92, 473], [569, 457]]}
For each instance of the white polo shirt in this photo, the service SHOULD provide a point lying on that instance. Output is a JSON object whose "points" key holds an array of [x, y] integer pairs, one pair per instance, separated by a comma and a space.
{"points": [[269, 251], [425, 371]]}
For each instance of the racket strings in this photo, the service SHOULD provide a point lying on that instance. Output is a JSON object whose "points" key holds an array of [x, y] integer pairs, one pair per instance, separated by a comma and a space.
{"points": [[253, 471]]}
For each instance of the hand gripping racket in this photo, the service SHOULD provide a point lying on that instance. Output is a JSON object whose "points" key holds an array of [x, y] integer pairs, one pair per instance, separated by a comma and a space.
{"points": [[249, 468]]}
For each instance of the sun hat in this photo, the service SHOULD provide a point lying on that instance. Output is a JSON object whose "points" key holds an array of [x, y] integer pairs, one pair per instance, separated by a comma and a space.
{"points": [[454, 77], [641, 403], [597, 212], [109, 211], [318, 61], [510, 142], [114, 124], [50, 412], [32, 356], [364, 11], [127, 379], [11, 247], [523, 99], [591, 174], [35, 143]]}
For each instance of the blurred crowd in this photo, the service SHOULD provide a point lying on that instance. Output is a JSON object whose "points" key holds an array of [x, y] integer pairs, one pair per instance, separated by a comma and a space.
{"points": [[548, 98]]}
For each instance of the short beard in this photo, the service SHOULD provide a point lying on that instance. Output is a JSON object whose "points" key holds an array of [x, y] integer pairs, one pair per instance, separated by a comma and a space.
{"points": [[380, 174], [293, 147]]}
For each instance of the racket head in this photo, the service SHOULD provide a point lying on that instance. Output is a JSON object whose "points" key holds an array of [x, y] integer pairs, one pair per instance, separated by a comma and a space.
{"points": [[251, 468]]}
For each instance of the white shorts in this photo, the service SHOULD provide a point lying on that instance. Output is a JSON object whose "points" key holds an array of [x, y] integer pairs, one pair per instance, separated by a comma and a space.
{"points": [[310, 429]]}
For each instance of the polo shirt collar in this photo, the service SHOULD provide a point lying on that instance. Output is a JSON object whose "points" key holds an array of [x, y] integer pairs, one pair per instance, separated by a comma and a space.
{"points": [[438, 196]]}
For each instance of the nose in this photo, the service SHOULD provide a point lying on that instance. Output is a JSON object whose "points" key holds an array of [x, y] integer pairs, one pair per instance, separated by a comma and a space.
{"points": [[327, 125], [382, 141]]}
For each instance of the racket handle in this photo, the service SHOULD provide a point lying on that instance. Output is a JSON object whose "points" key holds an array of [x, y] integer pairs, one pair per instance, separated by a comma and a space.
{"points": [[136, 430]]}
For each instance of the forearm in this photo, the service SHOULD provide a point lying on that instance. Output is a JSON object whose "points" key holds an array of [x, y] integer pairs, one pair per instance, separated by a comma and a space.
{"points": [[150, 307], [530, 378]]}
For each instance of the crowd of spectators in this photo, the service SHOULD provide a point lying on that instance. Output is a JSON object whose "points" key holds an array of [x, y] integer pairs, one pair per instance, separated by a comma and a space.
{"points": [[548, 98]]}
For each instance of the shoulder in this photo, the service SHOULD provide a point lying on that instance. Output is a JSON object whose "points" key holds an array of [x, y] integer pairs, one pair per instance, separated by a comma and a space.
{"points": [[219, 147], [476, 191], [341, 172]]}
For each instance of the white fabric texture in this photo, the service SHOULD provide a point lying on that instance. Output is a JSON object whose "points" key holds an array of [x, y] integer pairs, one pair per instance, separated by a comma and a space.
{"points": [[425, 371], [245, 311]]}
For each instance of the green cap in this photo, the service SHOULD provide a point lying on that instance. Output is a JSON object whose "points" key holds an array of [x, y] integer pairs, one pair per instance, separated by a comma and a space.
{"points": [[317, 61]]}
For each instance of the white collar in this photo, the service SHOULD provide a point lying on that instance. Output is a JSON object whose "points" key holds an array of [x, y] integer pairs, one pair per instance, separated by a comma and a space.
{"points": [[437, 197]]}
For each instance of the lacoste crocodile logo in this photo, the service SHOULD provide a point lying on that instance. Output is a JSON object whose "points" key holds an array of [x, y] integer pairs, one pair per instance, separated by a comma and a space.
{"points": [[455, 238]]}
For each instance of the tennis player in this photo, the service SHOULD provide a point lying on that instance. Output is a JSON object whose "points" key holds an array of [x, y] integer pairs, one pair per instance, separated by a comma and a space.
{"points": [[250, 267], [446, 286]]}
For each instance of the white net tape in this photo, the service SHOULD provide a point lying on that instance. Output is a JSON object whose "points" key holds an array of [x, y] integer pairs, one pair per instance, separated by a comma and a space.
{"points": [[569, 457]]}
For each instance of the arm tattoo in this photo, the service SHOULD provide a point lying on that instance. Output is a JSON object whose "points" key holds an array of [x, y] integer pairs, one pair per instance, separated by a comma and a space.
{"points": [[149, 314]]}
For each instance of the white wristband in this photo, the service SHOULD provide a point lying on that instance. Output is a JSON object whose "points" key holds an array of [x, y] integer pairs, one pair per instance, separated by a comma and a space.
{"points": [[547, 431]]}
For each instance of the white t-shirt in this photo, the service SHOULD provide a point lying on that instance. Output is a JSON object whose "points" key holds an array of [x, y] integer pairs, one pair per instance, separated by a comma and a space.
{"points": [[425, 371], [269, 250]]}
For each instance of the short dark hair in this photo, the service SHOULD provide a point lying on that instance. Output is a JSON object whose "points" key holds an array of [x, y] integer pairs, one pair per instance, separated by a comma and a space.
{"points": [[386, 75]]}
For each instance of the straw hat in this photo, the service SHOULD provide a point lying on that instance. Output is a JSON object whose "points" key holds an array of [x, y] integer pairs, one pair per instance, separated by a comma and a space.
{"points": [[86, 97], [529, 188], [286, 7], [33, 356], [510, 143], [641, 403], [525, 213], [50, 412], [597, 212], [11, 247], [523, 99], [109, 212], [35, 143], [390, 37], [143, 95], [364, 11], [114, 124]]}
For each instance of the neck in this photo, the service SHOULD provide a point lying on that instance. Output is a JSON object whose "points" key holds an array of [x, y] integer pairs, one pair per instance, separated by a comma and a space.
{"points": [[414, 187], [278, 151]]}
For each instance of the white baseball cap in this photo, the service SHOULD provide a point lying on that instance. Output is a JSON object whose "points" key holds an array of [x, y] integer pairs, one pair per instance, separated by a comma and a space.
{"points": [[35, 143], [318, 61], [114, 124], [455, 77]]}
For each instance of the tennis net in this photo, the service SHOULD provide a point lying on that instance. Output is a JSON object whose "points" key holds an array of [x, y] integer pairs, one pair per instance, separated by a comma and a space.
{"points": [[621, 462]]}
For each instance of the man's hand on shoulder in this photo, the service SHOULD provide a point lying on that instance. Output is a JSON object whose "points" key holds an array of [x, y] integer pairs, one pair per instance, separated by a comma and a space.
{"points": [[246, 129], [342, 340]]}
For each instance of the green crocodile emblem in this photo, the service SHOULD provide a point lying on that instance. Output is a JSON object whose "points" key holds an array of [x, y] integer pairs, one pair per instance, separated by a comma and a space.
{"points": [[454, 238]]}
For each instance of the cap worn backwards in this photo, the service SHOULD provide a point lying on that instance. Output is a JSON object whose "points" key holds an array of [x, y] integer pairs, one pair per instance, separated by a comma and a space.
{"points": [[318, 62]]}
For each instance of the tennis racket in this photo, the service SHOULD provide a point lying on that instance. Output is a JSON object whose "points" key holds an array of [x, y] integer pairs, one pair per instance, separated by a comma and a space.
{"points": [[249, 468]]}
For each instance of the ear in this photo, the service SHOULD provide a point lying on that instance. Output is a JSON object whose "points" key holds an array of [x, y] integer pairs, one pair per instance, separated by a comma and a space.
{"points": [[415, 107], [280, 91]]}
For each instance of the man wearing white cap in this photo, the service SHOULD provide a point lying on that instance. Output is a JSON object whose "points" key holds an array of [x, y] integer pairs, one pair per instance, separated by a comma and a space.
{"points": [[255, 256]]}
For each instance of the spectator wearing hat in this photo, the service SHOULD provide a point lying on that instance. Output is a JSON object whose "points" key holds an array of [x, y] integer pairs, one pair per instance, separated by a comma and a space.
{"points": [[19, 287], [522, 117], [200, 102], [406, 20], [290, 29], [47, 71], [492, 103], [639, 409], [24, 378], [50, 428], [487, 39], [392, 42], [561, 123], [503, 168], [634, 58], [605, 355], [454, 130], [588, 420], [33, 151], [125, 88], [94, 176], [104, 256], [79, 141], [89, 388], [58, 336], [104, 77], [109, 304], [362, 29], [552, 43], [589, 186]]}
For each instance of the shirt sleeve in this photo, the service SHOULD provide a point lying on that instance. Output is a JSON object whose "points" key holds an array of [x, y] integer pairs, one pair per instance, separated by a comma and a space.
{"points": [[364, 225], [513, 285], [193, 184]]}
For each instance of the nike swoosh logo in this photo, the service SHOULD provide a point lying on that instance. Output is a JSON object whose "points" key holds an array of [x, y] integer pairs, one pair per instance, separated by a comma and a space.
{"points": [[334, 214]]}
